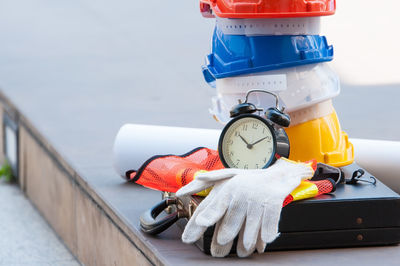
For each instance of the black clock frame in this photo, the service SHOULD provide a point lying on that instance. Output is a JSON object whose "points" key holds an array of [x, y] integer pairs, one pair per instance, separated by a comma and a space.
{"points": [[281, 144]]}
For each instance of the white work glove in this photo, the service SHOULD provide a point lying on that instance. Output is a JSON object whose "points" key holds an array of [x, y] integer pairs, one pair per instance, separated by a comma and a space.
{"points": [[249, 201]]}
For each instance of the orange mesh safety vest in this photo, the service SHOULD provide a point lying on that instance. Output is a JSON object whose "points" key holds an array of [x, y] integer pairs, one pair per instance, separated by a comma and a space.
{"points": [[171, 172]]}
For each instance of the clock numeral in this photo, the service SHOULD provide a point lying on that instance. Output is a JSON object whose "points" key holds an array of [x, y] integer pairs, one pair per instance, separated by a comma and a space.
{"points": [[230, 142], [255, 125], [246, 166], [257, 165], [244, 127], [231, 153], [265, 160], [236, 134], [263, 130], [237, 163]]}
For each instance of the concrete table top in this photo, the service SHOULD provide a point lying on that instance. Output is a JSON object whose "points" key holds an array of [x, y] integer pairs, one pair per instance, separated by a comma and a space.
{"points": [[79, 70]]}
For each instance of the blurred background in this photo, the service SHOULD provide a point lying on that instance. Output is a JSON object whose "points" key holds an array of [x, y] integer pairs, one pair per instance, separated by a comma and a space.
{"points": [[147, 55]]}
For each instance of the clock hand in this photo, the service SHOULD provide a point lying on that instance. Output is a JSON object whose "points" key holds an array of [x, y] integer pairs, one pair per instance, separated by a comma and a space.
{"points": [[249, 146], [258, 141]]}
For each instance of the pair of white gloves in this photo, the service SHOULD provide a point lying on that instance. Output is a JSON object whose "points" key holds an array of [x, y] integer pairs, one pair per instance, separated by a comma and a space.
{"points": [[244, 202]]}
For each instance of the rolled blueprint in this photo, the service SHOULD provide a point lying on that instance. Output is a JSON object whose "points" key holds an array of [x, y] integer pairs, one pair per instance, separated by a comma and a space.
{"points": [[381, 158], [135, 144]]}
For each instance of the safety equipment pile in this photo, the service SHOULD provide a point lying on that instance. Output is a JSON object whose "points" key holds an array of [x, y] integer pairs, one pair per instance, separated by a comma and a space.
{"points": [[244, 202], [249, 201], [169, 173], [276, 45]]}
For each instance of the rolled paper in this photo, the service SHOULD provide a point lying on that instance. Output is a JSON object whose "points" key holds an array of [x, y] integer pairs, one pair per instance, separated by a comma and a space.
{"points": [[381, 158], [135, 144]]}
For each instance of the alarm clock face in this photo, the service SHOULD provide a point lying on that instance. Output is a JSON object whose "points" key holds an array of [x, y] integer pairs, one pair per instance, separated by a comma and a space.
{"points": [[247, 142]]}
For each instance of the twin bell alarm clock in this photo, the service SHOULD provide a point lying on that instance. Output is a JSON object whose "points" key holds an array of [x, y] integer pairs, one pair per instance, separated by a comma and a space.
{"points": [[251, 141]]}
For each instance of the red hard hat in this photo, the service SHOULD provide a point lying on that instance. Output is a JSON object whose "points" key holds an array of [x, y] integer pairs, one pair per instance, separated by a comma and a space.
{"points": [[267, 8]]}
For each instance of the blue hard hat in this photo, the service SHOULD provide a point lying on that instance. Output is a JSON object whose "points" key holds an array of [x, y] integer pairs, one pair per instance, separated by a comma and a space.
{"points": [[234, 55]]}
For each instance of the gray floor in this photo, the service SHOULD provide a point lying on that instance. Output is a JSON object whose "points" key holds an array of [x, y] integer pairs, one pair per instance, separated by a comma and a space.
{"points": [[25, 237]]}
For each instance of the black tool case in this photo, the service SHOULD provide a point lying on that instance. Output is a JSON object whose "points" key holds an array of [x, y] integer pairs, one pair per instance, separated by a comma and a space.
{"points": [[360, 214]]}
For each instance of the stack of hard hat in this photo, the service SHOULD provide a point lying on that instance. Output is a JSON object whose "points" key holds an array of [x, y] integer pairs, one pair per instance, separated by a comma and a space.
{"points": [[275, 45]]}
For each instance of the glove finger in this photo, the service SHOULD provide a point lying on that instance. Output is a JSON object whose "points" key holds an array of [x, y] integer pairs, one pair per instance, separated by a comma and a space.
{"points": [[260, 245], [253, 226], [197, 186], [206, 201], [192, 231], [215, 209], [210, 197], [270, 224], [232, 222], [193, 187], [218, 174], [303, 170], [218, 250], [240, 249]]}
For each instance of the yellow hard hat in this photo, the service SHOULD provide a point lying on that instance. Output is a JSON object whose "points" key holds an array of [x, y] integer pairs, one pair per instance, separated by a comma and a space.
{"points": [[321, 139]]}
